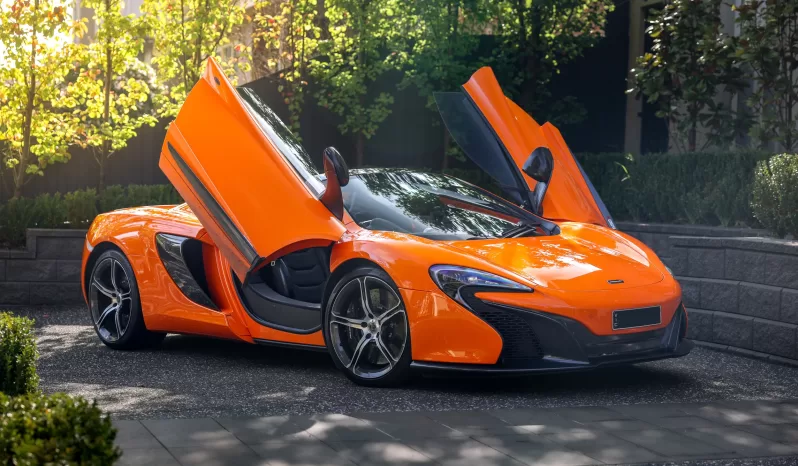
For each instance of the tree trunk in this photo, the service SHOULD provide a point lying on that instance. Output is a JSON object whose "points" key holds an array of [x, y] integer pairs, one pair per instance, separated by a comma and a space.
{"points": [[19, 175], [359, 149], [109, 64]]}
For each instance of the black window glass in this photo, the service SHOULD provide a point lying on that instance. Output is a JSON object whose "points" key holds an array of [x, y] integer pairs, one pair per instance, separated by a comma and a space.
{"points": [[429, 205], [283, 139], [469, 129]]}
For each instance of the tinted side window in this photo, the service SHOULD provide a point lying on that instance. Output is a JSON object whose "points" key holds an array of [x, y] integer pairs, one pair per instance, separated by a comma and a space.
{"points": [[285, 141]]}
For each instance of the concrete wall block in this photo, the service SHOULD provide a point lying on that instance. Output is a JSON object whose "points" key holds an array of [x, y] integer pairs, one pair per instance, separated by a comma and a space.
{"points": [[759, 300], [55, 293], [24, 270], [2, 270], [55, 247], [733, 330], [699, 324], [677, 261], [775, 337], [69, 271], [691, 291], [789, 306], [660, 244], [748, 266], [14, 293], [781, 270], [705, 263], [719, 295]]}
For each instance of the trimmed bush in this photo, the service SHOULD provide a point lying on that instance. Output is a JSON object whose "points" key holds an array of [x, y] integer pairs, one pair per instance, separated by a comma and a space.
{"points": [[775, 194], [18, 355], [55, 429], [695, 188], [75, 209]]}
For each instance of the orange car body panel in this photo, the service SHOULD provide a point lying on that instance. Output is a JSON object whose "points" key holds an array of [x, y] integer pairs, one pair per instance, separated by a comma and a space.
{"points": [[266, 200], [244, 172], [568, 197]]}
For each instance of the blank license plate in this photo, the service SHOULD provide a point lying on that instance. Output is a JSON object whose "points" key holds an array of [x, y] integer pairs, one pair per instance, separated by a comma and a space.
{"points": [[633, 318]]}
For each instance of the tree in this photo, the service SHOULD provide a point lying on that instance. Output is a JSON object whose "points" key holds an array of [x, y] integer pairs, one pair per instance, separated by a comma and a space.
{"points": [[36, 52], [110, 95], [186, 33], [691, 63], [364, 36], [768, 45], [444, 51], [286, 38], [535, 38]]}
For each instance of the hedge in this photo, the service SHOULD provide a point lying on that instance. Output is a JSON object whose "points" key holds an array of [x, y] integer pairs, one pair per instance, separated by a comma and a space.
{"points": [[18, 355], [775, 194], [75, 209], [56, 429], [712, 188]]}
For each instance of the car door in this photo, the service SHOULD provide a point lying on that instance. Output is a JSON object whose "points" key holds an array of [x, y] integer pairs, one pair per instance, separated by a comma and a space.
{"points": [[247, 179], [570, 195]]}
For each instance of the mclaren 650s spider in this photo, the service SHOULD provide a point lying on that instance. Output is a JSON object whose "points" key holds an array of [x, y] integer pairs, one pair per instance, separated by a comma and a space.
{"points": [[388, 270]]}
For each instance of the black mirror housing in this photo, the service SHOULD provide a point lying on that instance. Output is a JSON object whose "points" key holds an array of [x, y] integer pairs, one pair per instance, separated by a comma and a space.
{"points": [[337, 174], [539, 166]]}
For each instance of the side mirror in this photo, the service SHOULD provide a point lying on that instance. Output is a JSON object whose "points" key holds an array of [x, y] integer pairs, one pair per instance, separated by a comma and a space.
{"points": [[337, 176], [539, 166]]}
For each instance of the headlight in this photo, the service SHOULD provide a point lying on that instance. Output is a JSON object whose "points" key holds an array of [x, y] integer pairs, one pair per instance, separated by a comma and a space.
{"points": [[450, 278]]}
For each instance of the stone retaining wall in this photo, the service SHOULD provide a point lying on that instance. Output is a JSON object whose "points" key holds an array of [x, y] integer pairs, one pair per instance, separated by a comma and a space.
{"points": [[47, 271]]}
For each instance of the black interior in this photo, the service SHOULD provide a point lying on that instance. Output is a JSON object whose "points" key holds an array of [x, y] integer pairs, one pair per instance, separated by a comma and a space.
{"points": [[300, 275], [286, 294]]}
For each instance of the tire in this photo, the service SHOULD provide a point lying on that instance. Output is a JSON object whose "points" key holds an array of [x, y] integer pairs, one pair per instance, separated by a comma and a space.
{"points": [[372, 347], [115, 305]]}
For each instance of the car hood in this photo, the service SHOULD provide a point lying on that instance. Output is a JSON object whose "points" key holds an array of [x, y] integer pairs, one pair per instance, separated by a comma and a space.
{"points": [[581, 258]]}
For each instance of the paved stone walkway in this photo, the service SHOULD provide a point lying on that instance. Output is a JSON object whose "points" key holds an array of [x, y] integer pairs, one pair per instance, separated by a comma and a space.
{"points": [[652, 433]]}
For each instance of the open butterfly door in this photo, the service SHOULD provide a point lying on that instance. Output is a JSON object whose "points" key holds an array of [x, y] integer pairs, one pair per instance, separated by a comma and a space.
{"points": [[499, 137], [245, 177]]}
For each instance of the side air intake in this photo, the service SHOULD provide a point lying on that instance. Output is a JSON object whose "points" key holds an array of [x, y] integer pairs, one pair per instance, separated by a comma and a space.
{"points": [[182, 258]]}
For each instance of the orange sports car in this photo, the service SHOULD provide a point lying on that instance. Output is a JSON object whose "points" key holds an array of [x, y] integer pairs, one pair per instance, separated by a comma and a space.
{"points": [[388, 270]]}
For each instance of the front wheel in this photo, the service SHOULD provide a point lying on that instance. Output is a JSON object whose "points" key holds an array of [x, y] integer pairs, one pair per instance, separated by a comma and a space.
{"points": [[366, 329]]}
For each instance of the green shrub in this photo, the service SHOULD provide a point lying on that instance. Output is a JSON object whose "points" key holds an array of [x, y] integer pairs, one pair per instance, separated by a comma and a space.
{"points": [[55, 429], [50, 211], [775, 194], [698, 188], [113, 197], [15, 218], [81, 207], [159, 194], [17, 355]]}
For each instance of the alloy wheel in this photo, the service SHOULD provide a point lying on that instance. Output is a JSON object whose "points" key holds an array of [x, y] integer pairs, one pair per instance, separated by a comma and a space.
{"points": [[368, 327], [111, 301]]}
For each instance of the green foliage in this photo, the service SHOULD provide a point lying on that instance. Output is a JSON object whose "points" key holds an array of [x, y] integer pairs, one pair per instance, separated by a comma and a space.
{"points": [[185, 35], [75, 209], [81, 207], [18, 356], [55, 429], [768, 47], [110, 90], [696, 188], [363, 38], [691, 63], [535, 39], [36, 44], [775, 197]]}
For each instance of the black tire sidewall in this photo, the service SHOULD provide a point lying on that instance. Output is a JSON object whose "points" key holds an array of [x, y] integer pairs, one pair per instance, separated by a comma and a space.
{"points": [[136, 330], [401, 369]]}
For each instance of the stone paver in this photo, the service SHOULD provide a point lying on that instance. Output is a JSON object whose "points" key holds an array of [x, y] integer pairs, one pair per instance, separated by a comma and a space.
{"points": [[555, 436]]}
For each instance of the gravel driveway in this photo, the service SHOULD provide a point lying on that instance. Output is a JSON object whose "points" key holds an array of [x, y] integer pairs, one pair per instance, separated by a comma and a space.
{"points": [[196, 377]]}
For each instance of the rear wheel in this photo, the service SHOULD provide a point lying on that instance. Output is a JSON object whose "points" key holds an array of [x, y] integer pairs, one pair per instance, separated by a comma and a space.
{"points": [[114, 304], [366, 328]]}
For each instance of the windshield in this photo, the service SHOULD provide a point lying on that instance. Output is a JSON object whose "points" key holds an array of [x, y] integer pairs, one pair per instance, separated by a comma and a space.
{"points": [[429, 205]]}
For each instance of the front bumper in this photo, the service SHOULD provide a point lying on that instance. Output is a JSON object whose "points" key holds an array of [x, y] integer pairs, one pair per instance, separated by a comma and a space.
{"points": [[535, 342]]}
